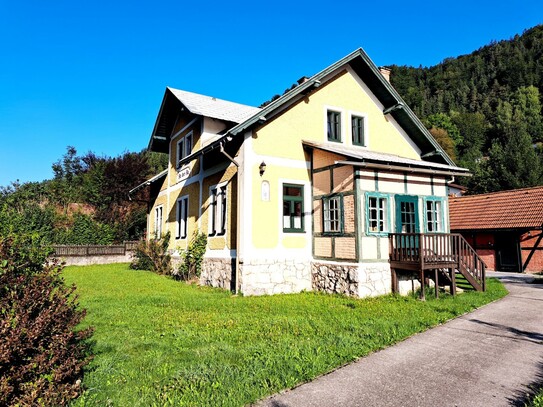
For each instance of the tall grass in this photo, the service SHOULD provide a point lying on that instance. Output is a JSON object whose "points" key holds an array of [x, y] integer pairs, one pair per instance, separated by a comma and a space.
{"points": [[163, 342]]}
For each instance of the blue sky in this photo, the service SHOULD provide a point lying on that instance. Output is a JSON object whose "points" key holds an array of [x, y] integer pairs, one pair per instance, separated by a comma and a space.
{"points": [[92, 74]]}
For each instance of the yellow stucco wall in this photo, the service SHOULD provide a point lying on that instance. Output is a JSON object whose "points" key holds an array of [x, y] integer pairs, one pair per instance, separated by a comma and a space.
{"points": [[229, 177], [307, 121], [193, 166], [281, 138], [266, 225]]}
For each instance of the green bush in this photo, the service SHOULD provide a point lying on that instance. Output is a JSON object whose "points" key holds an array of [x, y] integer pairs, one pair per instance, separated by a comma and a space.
{"points": [[86, 230], [41, 356], [192, 257], [153, 255]]}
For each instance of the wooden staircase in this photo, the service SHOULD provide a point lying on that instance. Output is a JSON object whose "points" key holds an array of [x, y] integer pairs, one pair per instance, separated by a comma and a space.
{"points": [[437, 256]]}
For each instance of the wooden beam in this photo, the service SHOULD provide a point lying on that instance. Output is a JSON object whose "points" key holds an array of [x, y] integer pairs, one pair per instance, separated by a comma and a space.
{"points": [[534, 248], [436, 276]]}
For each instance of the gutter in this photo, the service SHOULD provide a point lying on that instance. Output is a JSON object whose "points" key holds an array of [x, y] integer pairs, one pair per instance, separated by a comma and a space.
{"points": [[389, 167]]}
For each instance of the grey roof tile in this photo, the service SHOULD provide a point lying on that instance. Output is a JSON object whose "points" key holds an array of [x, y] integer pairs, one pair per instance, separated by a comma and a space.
{"points": [[215, 108]]}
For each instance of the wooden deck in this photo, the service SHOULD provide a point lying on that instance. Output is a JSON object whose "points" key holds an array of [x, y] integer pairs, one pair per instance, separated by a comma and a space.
{"points": [[438, 256]]}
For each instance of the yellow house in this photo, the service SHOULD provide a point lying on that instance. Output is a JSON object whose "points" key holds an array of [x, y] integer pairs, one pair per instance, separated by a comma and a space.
{"points": [[305, 192]]}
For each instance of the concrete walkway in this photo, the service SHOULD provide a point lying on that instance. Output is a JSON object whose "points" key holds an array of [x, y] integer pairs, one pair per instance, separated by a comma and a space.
{"points": [[489, 357]]}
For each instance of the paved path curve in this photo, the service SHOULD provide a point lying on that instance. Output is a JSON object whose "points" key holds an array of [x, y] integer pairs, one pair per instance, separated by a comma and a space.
{"points": [[489, 357]]}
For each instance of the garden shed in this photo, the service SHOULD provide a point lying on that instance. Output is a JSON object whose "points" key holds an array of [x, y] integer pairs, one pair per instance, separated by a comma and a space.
{"points": [[505, 228]]}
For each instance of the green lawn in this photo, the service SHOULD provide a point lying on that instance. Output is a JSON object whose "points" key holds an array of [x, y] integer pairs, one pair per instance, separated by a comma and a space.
{"points": [[163, 342]]}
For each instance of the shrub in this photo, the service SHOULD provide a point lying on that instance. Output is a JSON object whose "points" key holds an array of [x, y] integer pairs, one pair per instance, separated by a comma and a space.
{"points": [[41, 356], [153, 255], [192, 257]]}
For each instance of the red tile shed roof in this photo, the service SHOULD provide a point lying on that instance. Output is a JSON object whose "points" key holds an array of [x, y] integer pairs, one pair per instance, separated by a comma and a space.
{"points": [[516, 209]]}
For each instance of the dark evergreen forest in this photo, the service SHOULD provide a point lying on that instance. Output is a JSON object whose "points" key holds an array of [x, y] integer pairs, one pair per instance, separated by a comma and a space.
{"points": [[485, 110]]}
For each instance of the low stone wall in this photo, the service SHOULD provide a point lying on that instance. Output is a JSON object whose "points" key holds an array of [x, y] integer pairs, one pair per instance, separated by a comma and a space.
{"points": [[218, 272], [96, 259], [275, 276], [337, 278]]}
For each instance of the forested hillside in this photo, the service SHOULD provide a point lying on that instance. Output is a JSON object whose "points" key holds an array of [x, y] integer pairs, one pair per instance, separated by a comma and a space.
{"points": [[85, 203], [485, 109]]}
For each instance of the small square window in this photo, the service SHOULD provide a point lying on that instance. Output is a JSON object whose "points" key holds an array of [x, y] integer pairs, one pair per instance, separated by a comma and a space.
{"points": [[334, 125], [357, 123]]}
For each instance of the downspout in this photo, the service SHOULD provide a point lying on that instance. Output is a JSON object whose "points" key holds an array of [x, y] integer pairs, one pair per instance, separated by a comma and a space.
{"points": [[238, 212]]}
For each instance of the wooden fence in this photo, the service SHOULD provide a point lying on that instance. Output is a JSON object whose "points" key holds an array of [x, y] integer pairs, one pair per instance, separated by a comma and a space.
{"points": [[94, 250]]}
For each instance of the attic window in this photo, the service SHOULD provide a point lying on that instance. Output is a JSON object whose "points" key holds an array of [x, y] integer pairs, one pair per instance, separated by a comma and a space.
{"points": [[358, 136], [184, 147], [334, 125]]}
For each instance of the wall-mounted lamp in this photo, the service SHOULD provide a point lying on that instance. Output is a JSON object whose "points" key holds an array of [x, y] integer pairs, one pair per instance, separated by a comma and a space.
{"points": [[262, 168]]}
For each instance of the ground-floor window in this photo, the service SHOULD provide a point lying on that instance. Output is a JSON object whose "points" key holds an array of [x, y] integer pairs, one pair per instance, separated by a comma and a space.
{"points": [[218, 207], [434, 215], [158, 222], [332, 214], [182, 217], [293, 208], [377, 214]]}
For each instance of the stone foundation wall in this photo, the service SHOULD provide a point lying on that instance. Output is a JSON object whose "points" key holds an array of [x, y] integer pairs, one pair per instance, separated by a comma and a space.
{"points": [[357, 280], [337, 278], [275, 276], [96, 259], [374, 279], [218, 272]]}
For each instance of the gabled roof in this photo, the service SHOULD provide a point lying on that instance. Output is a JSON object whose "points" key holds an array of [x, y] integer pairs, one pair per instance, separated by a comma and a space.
{"points": [[359, 61], [380, 87], [199, 105], [365, 157], [215, 108], [515, 209]]}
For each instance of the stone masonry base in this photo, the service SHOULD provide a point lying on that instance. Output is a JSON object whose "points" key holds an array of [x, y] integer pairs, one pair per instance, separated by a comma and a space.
{"points": [[275, 276], [280, 276], [218, 272], [354, 279]]}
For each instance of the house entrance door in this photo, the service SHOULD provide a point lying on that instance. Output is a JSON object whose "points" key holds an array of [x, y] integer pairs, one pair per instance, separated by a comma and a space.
{"points": [[407, 220], [407, 214]]}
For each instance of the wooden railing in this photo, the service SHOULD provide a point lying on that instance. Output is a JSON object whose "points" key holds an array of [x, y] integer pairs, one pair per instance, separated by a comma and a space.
{"points": [[94, 250], [423, 251]]}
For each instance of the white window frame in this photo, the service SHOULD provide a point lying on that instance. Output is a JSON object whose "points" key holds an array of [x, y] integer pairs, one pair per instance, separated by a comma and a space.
{"points": [[218, 209], [342, 116], [363, 116], [184, 147], [159, 212], [433, 217], [182, 217], [382, 213]]}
